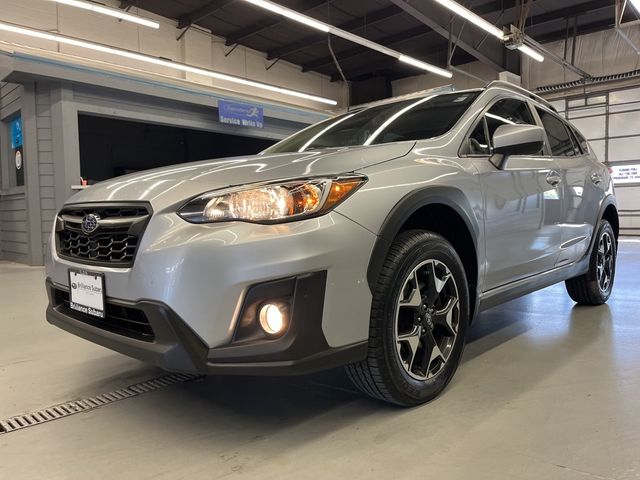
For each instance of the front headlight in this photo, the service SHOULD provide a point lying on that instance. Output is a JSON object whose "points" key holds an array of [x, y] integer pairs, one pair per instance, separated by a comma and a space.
{"points": [[272, 202]]}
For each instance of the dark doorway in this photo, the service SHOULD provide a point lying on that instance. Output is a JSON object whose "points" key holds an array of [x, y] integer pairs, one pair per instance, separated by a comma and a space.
{"points": [[111, 147]]}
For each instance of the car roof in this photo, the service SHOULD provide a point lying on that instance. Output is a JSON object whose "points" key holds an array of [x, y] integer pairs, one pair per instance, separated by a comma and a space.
{"points": [[496, 84], [522, 91]]}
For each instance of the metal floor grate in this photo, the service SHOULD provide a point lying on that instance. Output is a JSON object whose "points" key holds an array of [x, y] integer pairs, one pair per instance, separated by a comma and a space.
{"points": [[70, 408]]}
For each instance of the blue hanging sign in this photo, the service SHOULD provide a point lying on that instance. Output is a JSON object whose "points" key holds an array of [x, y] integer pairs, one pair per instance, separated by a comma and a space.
{"points": [[241, 114], [16, 132]]}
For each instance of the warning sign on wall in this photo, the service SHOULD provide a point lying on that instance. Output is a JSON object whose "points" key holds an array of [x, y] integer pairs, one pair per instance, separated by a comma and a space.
{"points": [[625, 174]]}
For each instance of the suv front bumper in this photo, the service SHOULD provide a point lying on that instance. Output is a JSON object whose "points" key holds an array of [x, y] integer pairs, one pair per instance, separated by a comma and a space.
{"points": [[169, 343], [203, 272]]}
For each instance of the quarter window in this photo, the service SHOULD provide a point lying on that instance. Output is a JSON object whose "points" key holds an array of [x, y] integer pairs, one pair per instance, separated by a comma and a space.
{"points": [[559, 139], [478, 141], [508, 111], [584, 146]]}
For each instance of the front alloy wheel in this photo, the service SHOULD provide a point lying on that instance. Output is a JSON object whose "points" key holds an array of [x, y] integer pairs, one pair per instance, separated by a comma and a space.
{"points": [[427, 319], [419, 316]]}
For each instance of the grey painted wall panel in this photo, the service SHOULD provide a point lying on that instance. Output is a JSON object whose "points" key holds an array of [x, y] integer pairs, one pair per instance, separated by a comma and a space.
{"points": [[14, 232], [45, 161], [7, 226], [13, 216]]}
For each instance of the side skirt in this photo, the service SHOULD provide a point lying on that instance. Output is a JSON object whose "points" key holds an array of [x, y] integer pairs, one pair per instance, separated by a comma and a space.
{"points": [[525, 286]]}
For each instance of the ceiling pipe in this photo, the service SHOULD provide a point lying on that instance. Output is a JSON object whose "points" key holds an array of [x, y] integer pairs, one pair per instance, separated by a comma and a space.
{"points": [[556, 58]]}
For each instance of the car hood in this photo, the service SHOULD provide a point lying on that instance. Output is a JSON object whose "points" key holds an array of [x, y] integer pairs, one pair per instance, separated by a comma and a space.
{"points": [[163, 187]]}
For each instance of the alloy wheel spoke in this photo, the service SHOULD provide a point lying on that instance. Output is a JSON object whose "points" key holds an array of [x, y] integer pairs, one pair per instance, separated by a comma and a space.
{"points": [[411, 340], [415, 299], [433, 285], [607, 245], [430, 351], [444, 316]]}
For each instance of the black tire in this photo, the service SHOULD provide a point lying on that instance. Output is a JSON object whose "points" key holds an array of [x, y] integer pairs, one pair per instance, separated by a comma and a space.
{"points": [[382, 375], [588, 289]]}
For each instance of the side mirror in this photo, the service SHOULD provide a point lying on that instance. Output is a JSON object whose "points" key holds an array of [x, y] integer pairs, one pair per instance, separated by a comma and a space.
{"points": [[516, 140]]}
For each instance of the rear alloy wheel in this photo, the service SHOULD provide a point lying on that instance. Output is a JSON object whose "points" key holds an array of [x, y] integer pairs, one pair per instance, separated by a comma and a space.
{"points": [[594, 287], [419, 317]]}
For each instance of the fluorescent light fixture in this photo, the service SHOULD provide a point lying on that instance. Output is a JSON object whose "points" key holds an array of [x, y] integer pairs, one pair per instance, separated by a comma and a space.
{"points": [[472, 17], [425, 66], [112, 12], [526, 49], [338, 32], [293, 15], [488, 27], [8, 27]]}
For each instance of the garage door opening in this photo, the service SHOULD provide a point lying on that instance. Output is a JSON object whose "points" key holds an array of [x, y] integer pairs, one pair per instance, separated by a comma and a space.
{"points": [[111, 147]]}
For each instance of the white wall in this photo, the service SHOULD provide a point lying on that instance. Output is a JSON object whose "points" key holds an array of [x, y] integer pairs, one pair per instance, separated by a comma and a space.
{"points": [[600, 53], [197, 47]]}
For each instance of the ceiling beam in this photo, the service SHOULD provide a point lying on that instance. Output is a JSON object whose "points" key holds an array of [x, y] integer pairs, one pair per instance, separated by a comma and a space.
{"points": [[437, 21], [488, 7], [201, 13], [495, 6], [581, 30], [274, 21], [568, 12], [373, 18], [413, 33]]}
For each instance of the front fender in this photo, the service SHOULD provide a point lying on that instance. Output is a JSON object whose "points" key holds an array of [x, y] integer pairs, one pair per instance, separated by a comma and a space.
{"points": [[405, 208]]}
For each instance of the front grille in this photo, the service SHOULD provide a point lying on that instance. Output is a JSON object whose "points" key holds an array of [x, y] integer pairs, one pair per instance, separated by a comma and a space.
{"points": [[120, 319], [113, 243]]}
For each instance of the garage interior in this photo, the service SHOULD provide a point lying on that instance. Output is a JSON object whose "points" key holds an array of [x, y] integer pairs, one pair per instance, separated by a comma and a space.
{"points": [[112, 147], [546, 388]]}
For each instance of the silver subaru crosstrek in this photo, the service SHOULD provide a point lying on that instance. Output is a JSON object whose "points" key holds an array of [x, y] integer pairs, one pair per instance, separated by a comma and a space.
{"points": [[369, 240]]}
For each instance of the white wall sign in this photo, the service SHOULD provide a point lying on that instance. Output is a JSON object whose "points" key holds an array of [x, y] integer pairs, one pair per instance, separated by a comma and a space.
{"points": [[18, 159], [625, 174]]}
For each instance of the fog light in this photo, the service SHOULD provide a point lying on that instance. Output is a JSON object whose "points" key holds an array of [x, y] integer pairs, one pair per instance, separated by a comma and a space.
{"points": [[272, 319]]}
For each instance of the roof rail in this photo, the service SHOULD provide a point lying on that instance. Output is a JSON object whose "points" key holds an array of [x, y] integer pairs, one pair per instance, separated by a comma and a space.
{"points": [[421, 93], [523, 91]]}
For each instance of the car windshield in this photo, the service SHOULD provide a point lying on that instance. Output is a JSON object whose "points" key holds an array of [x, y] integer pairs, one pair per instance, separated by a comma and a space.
{"points": [[414, 119]]}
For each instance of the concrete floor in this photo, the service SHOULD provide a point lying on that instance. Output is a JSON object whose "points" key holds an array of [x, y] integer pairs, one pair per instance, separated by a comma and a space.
{"points": [[547, 390]]}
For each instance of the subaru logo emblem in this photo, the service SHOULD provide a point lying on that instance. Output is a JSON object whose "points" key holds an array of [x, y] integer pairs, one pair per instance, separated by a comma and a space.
{"points": [[90, 223]]}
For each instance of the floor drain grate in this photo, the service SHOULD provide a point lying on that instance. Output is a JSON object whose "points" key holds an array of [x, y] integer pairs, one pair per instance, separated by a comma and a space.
{"points": [[70, 408]]}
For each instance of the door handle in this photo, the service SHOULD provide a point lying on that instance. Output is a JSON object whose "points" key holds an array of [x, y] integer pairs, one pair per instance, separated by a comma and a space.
{"points": [[596, 178], [553, 178]]}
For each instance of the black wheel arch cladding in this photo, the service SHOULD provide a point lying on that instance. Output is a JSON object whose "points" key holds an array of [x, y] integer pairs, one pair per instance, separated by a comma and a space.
{"points": [[439, 196]]}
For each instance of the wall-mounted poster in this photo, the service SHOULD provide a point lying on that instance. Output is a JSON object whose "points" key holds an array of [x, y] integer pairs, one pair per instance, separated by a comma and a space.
{"points": [[15, 127]]}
